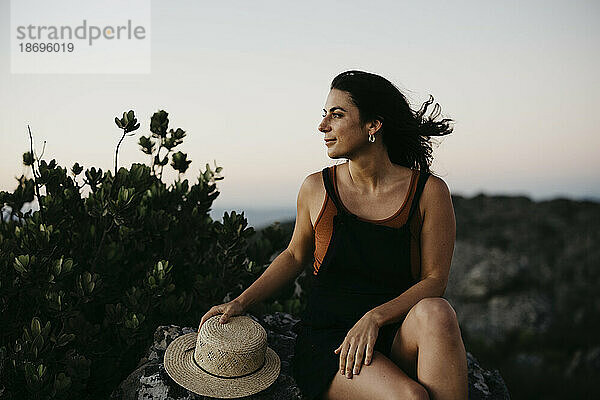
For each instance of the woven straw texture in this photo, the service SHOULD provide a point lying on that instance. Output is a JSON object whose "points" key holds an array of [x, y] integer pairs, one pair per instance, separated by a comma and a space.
{"points": [[236, 348]]}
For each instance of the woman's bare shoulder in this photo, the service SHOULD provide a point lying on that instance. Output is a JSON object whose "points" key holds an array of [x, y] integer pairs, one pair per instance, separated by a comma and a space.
{"points": [[314, 193], [435, 194]]}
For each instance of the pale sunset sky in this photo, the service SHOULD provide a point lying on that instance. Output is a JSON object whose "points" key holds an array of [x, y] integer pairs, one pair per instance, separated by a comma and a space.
{"points": [[247, 81]]}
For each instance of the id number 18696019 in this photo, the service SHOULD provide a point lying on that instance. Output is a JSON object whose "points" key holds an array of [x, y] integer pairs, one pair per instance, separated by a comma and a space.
{"points": [[47, 47]]}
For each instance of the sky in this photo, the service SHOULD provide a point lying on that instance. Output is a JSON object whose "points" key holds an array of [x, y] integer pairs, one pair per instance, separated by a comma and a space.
{"points": [[247, 81]]}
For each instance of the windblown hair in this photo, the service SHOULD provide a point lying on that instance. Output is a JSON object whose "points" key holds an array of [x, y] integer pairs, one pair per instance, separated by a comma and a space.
{"points": [[406, 134]]}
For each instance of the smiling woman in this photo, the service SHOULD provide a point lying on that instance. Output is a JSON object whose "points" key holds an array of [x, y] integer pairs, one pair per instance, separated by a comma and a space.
{"points": [[382, 242], [384, 238], [406, 134]]}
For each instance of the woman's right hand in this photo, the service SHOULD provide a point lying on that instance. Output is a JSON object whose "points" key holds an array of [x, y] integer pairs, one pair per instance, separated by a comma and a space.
{"points": [[234, 307]]}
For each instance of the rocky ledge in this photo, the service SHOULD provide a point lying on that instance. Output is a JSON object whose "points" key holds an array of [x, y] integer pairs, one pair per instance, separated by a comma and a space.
{"points": [[151, 381]]}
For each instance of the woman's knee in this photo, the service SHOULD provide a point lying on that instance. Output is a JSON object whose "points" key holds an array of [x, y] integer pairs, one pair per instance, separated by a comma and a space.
{"points": [[437, 314], [412, 392]]}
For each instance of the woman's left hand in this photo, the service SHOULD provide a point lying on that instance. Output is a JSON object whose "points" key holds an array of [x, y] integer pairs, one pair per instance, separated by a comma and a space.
{"points": [[359, 343]]}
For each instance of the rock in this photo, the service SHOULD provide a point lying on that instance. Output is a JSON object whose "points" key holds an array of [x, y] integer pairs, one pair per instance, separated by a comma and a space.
{"points": [[494, 295], [478, 272], [583, 361], [485, 384], [524, 282], [522, 314], [150, 380]]}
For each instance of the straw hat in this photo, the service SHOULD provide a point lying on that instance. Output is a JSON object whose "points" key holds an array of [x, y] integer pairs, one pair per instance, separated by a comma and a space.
{"points": [[224, 360]]}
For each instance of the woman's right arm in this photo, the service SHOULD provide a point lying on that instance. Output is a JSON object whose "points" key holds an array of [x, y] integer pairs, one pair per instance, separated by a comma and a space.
{"points": [[286, 266]]}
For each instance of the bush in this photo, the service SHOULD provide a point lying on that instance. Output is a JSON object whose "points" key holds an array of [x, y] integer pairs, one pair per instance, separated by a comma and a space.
{"points": [[84, 282]]}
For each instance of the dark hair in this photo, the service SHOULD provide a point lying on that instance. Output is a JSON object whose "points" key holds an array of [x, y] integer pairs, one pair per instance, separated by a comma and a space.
{"points": [[406, 134]]}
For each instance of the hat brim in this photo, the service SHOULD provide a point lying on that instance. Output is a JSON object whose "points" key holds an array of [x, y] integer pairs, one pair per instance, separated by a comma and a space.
{"points": [[180, 366]]}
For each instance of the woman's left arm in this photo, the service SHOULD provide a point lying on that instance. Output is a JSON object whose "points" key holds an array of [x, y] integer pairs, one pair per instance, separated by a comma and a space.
{"points": [[438, 234]]}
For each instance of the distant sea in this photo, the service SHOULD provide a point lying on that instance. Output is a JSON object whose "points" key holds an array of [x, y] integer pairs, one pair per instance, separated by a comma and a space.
{"points": [[257, 217], [260, 217]]}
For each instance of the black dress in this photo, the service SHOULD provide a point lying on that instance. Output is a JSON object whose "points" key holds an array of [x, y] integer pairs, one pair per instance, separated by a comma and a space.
{"points": [[365, 265]]}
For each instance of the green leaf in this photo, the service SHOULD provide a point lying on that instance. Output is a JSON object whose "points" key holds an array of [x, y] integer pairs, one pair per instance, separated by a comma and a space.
{"points": [[28, 159], [64, 339], [29, 371], [67, 265], [36, 327], [57, 266], [46, 329], [38, 343], [159, 123], [180, 162], [26, 335], [19, 264], [76, 169], [61, 382]]}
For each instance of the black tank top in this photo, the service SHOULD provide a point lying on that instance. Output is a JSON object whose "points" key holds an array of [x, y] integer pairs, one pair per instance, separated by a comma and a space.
{"points": [[365, 265]]}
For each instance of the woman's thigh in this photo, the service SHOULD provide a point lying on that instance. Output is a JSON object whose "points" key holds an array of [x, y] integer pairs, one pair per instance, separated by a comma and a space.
{"points": [[382, 379], [404, 345]]}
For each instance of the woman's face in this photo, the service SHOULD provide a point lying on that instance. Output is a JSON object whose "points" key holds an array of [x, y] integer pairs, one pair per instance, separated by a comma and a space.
{"points": [[341, 124]]}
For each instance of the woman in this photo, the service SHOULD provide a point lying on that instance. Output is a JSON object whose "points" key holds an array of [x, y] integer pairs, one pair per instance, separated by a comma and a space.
{"points": [[381, 229]]}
